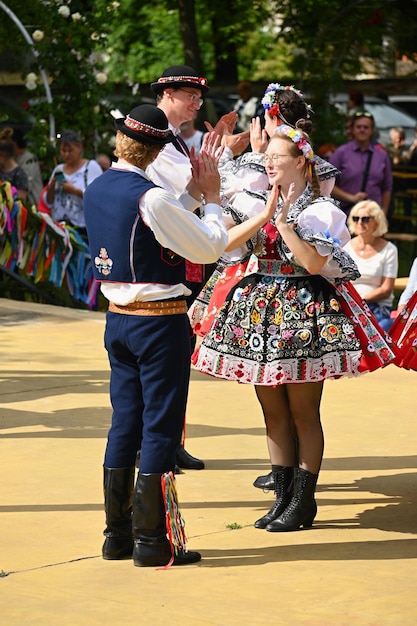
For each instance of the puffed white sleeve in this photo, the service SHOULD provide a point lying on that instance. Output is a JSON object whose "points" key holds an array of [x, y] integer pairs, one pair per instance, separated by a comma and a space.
{"points": [[246, 172], [244, 206], [323, 225], [411, 285]]}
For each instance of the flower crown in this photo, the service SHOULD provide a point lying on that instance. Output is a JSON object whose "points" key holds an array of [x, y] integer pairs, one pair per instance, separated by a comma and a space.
{"points": [[298, 138], [269, 100]]}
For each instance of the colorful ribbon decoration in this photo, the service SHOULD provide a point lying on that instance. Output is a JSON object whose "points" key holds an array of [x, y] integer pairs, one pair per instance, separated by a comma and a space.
{"points": [[33, 244]]}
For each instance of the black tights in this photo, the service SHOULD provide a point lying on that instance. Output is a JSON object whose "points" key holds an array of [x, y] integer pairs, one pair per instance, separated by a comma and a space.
{"points": [[289, 411]]}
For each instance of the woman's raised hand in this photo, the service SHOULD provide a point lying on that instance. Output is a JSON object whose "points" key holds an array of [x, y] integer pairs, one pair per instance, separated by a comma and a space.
{"points": [[281, 218], [271, 203], [225, 125], [206, 176], [211, 145], [258, 136]]}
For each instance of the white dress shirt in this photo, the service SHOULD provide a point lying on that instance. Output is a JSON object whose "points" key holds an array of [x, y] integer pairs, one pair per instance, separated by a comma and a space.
{"points": [[177, 228], [171, 169]]}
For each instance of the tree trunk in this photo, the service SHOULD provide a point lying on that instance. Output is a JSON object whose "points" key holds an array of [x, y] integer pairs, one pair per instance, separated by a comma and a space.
{"points": [[189, 36], [226, 57]]}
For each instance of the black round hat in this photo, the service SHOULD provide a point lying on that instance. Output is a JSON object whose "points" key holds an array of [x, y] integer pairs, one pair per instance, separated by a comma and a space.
{"points": [[180, 76], [147, 124]]}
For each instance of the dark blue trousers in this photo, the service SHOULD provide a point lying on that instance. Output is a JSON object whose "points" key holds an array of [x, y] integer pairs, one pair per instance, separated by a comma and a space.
{"points": [[150, 369]]}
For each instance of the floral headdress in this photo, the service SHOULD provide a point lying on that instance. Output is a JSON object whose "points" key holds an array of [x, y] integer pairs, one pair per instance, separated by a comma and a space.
{"points": [[269, 100], [298, 138]]}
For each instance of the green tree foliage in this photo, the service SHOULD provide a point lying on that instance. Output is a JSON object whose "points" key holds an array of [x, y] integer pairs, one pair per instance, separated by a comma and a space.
{"points": [[69, 44], [142, 38], [208, 36], [96, 52]]}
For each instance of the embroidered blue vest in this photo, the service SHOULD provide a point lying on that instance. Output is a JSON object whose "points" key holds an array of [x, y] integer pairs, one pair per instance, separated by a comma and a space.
{"points": [[123, 249]]}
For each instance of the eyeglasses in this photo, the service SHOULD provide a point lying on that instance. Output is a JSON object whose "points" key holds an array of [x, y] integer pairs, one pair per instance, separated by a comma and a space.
{"points": [[365, 219], [273, 158], [193, 97]]}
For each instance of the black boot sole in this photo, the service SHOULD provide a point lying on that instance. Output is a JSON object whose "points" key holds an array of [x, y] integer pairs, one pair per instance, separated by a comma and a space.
{"points": [[187, 558]]}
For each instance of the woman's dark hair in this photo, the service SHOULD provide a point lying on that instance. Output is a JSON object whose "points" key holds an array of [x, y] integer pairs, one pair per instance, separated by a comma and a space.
{"points": [[70, 136], [294, 111]]}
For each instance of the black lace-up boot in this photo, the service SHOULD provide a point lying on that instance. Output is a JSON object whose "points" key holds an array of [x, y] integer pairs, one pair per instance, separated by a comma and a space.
{"points": [[302, 509], [283, 481], [266, 482]]}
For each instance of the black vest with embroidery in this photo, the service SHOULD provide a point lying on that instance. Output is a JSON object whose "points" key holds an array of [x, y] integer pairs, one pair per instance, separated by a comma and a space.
{"points": [[123, 249]]}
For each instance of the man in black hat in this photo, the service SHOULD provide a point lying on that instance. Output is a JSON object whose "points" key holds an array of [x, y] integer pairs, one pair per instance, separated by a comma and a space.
{"points": [[179, 93], [139, 236]]}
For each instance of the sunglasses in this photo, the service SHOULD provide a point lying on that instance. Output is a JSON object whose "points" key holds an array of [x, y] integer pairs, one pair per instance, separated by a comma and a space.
{"points": [[364, 219], [363, 114]]}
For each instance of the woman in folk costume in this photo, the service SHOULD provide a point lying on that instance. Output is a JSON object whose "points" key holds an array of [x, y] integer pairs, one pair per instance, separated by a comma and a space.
{"points": [[404, 333], [294, 322], [139, 237], [404, 329], [283, 104]]}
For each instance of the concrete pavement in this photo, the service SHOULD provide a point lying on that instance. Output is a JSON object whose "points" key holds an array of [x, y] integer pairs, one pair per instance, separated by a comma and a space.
{"points": [[357, 565]]}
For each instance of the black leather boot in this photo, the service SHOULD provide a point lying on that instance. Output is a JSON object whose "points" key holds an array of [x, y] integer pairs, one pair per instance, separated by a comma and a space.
{"points": [[118, 493], [151, 545], [283, 481], [302, 509], [185, 460], [266, 482]]}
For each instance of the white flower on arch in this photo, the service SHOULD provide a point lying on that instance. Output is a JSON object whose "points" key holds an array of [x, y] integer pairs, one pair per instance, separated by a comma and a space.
{"points": [[64, 11], [101, 78], [38, 35]]}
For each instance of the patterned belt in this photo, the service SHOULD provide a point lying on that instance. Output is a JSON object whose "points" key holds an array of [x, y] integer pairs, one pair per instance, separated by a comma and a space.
{"points": [[274, 267], [159, 307]]}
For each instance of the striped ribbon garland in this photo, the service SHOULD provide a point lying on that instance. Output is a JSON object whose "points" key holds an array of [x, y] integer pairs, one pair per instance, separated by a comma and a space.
{"points": [[44, 250]]}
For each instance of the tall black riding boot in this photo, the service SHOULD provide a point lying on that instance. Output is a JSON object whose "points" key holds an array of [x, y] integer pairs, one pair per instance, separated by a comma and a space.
{"points": [[118, 493], [151, 545], [283, 481], [302, 509]]}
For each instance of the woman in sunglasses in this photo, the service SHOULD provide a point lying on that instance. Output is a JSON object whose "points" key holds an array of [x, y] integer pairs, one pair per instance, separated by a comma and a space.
{"points": [[376, 258], [292, 323]]}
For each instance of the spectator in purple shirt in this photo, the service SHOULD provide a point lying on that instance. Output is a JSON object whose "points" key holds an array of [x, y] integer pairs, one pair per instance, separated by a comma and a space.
{"points": [[364, 165]]}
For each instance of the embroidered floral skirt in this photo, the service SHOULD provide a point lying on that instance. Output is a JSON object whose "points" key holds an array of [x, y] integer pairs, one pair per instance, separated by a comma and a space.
{"points": [[273, 330]]}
